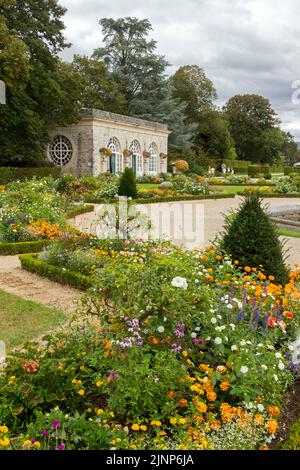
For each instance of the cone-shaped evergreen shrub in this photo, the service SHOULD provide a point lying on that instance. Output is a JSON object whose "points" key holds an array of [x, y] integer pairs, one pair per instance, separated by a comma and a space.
{"points": [[127, 186], [252, 238]]}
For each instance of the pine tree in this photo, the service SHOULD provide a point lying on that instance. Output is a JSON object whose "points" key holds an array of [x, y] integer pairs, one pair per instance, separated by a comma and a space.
{"points": [[127, 186], [252, 238]]}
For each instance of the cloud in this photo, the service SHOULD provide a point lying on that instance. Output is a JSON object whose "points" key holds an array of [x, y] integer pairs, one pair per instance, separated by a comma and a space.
{"points": [[244, 46]]}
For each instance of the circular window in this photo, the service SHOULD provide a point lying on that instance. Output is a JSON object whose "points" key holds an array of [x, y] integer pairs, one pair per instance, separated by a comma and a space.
{"points": [[61, 151]]}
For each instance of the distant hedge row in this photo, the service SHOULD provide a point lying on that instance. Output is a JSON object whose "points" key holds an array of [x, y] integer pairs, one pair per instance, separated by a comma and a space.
{"points": [[9, 174], [244, 167]]}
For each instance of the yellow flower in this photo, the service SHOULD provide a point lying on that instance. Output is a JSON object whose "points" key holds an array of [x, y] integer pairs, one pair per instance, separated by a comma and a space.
{"points": [[143, 427], [11, 379], [173, 421], [81, 392], [135, 427], [202, 407], [185, 353], [27, 443], [4, 442], [155, 423], [112, 414], [37, 444], [3, 429], [74, 381], [182, 421], [99, 411], [99, 383]]}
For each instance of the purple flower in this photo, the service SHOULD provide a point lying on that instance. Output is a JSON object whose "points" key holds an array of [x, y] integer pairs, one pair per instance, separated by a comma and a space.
{"points": [[33, 440], [176, 348], [113, 375], [196, 340], [56, 424], [180, 330], [45, 433], [60, 447]]}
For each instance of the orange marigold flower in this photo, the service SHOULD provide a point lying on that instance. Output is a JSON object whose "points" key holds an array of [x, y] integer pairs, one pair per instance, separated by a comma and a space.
{"points": [[247, 269], [224, 386], [273, 410], [259, 419], [271, 426], [211, 396], [288, 315], [182, 403], [264, 447], [171, 394]]}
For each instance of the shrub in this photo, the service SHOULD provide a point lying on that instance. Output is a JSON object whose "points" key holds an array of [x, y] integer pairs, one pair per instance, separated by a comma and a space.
{"points": [[166, 185], [258, 170], [127, 185], [22, 247], [8, 174], [252, 239]]}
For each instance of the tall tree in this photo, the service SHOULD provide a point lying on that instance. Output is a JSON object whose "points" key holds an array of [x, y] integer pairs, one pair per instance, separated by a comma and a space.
{"points": [[191, 85], [213, 135], [140, 73], [47, 94], [254, 127], [132, 59], [98, 90], [290, 151]]}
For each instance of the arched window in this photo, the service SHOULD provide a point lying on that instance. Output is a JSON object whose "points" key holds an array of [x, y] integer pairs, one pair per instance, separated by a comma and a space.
{"points": [[153, 159], [115, 161], [136, 160], [60, 151]]}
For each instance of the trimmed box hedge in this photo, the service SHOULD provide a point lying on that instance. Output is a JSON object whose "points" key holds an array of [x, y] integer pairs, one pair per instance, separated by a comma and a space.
{"points": [[10, 174], [279, 195], [31, 263], [254, 170], [151, 200], [23, 247], [70, 214]]}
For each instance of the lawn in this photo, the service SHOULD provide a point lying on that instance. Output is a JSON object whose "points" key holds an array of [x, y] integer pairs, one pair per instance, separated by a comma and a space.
{"points": [[148, 186], [287, 232], [22, 320], [228, 189]]}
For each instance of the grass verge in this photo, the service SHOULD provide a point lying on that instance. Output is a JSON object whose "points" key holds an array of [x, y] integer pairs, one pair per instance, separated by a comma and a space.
{"points": [[22, 320]]}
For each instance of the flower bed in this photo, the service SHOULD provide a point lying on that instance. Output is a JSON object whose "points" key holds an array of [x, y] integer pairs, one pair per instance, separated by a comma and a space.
{"points": [[188, 350], [149, 200]]}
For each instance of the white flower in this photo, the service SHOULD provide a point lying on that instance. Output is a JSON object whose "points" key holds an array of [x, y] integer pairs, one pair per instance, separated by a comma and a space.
{"points": [[244, 369], [264, 367], [248, 342], [232, 326], [243, 342], [213, 320], [180, 282], [260, 407], [197, 328], [281, 365], [234, 347], [160, 329], [278, 355], [218, 340], [196, 281], [230, 306], [194, 335], [275, 377], [219, 316]]}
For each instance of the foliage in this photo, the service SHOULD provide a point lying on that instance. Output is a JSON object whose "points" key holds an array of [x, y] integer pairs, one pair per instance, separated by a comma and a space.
{"points": [[22, 247], [293, 441], [127, 185], [252, 238], [285, 185], [9, 174], [191, 86], [253, 126], [221, 330], [32, 264]]}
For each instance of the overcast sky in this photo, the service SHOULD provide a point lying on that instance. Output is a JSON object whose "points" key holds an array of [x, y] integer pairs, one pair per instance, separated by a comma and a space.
{"points": [[244, 46]]}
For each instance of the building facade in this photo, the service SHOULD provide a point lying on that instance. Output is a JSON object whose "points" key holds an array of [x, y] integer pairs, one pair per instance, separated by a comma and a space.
{"points": [[105, 142]]}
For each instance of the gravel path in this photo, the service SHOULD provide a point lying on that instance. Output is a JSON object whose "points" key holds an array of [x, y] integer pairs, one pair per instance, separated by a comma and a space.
{"points": [[33, 287]]}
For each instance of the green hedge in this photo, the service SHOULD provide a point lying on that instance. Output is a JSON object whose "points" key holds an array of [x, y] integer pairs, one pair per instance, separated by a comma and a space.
{"points": [[150, 200], [31, 263], [281, 195], [70, 214], [241, 164], [254, 170], [288, 170], [9, 174], [23, 247], [277, 169]]}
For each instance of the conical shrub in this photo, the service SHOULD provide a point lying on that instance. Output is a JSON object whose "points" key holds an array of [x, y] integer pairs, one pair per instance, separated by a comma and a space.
{"points": [[127, 186], [253, 239]]}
